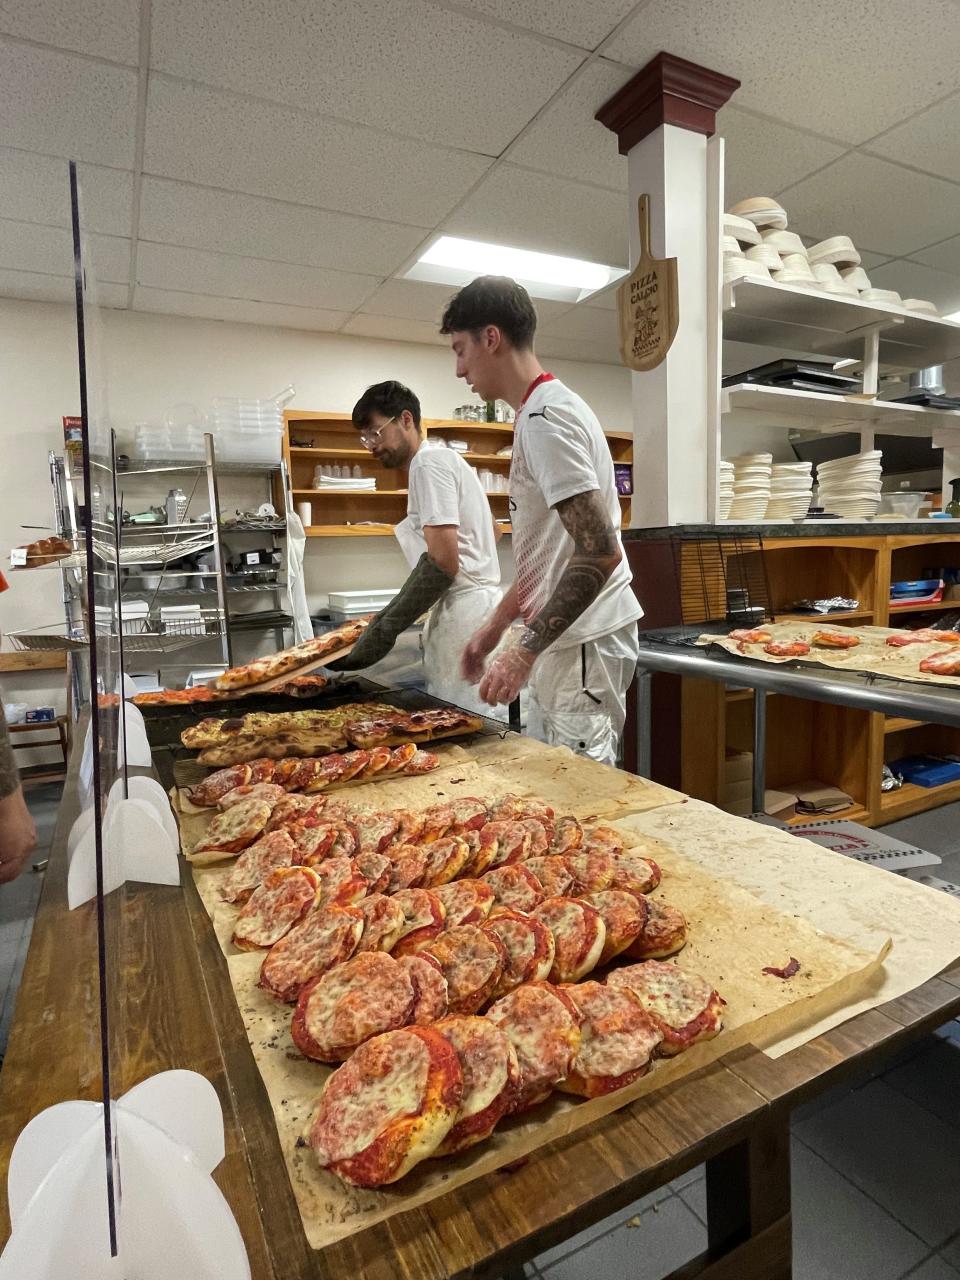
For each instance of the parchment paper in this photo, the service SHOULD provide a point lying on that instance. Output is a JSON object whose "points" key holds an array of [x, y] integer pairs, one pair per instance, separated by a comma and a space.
{"points": [[732, 937], [871, 654], [851, 900]]}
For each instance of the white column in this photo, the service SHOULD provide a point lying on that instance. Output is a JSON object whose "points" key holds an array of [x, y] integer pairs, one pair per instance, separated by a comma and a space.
{"points": [[671, 421]]}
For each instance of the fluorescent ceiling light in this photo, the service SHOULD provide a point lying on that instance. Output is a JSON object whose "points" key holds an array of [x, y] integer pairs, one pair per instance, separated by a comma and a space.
{"points": [[954, 315], [450, 260]]}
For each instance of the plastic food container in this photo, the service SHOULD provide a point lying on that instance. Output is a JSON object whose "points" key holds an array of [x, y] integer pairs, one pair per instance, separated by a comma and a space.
{"points": [[906, 505]]}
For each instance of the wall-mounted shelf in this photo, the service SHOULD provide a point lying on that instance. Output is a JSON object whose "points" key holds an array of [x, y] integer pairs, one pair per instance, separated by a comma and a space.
{"points": [[812, 410], [769, 314]]}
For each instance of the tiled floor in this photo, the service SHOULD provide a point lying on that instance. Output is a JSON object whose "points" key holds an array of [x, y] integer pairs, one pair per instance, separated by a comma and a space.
{"points": [[875, 1164]]}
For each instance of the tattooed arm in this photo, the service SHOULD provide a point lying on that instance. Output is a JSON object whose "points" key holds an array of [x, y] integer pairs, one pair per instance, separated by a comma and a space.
{"points": [[596, 553]]}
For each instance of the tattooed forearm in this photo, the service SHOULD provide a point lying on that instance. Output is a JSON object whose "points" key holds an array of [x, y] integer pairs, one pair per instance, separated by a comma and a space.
{"points": [[596, 553], [9, 777]]}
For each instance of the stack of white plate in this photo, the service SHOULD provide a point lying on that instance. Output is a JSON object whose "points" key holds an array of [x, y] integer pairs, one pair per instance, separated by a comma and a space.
{"points": [[726, 490], [851, 486], [791, 489], [751, 486]]}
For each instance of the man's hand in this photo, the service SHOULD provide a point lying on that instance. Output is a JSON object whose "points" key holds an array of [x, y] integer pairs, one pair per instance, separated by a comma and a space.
{"points": [[480, 644], [18, 835], [507, 675]]}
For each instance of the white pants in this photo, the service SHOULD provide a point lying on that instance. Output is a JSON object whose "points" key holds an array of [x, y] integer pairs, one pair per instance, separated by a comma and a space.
{"points": [[578, 694], [450, 624]]}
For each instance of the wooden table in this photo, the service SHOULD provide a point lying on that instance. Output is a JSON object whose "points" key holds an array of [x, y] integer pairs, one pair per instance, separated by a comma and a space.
{"points": [[171, 1005]]}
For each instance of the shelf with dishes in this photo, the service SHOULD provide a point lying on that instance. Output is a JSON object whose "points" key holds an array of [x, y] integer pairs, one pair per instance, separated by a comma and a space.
{"points": [[313, 440], [786, 407]]}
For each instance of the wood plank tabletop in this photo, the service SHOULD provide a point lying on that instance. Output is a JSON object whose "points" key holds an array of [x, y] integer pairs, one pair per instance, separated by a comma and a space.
{"points": [[171, 1005]]}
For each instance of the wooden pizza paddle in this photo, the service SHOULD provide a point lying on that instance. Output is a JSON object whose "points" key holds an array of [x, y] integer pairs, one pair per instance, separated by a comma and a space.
{"points": [[648, 304], [266, 685]]}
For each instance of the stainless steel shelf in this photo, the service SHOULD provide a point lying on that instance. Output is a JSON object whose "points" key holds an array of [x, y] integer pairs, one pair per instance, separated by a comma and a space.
{"points": [[140, 467]]}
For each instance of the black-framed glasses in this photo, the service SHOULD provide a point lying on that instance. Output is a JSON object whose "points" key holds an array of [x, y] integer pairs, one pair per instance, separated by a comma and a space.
{"points": [[368, 438]]}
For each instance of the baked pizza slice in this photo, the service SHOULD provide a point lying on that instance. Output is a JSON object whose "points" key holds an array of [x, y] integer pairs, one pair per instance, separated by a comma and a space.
{"points": [[388, 1108], [684, 1006]]}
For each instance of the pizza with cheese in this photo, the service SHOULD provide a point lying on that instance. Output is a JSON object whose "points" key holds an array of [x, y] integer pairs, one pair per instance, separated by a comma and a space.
{"points": [[216, 785], [388, 1108], [579, 935], [383, 922], [269, 853], [430, 991], [528, 949], [275, 906], [592, 869], [286, 661], [624, 917], [423, 919], [465, 901], [234, 829], [543, 1025], [617, 1039], [553, 873], [472, 962], [634, 872], [268, 792], [408, 867], [361, 998], [684, 1006], [446, 858], [414, 726], [515, 888], [664, 933], [491, 1075], [325, 937]]}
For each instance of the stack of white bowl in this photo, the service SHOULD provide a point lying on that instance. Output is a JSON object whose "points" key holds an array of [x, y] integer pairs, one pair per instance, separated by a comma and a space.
{"points": [[726, 490], [851, 486], [791, 490], [751, 486]]}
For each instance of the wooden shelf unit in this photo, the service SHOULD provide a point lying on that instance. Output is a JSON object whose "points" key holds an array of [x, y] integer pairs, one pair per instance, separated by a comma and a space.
{"points": [[838, 745], [310, 439]]}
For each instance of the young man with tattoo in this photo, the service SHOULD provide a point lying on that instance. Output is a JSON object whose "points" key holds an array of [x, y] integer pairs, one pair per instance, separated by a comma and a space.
{"points": [[18, 835], [578, 648]]}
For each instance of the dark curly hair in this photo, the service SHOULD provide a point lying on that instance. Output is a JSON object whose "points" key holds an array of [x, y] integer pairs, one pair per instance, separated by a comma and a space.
{"points": [[495, 300], [388, 398]]}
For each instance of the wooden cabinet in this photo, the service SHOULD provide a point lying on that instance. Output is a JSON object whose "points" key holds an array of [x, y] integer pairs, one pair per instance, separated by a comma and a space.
{"points": [[806, 740], [316, 439]]}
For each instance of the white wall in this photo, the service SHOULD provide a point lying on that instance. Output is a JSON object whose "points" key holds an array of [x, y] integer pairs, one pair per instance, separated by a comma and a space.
{"points": [[152, 362]]}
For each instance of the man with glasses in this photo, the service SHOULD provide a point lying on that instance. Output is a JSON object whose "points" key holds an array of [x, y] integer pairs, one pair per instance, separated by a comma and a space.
{"points": [[448, 539]]}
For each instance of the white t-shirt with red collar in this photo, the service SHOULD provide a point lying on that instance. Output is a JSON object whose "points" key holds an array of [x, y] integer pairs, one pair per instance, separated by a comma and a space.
{"points": [[559, 450]]}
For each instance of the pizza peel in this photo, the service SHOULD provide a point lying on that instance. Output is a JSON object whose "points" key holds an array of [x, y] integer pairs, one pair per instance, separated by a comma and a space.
{"points": [[648, 304]]}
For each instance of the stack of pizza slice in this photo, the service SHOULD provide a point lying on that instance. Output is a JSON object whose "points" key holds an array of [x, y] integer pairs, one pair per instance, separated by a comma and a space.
{"points": [[282, 735], [392, 932]]}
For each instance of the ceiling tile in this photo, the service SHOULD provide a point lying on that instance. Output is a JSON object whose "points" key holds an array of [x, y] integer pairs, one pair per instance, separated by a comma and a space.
{"points": [[35, 188], [876, 203], [847, 79], [571, 349], [44, 288], [104, 28], [566, 139], [215, 139], [418, 300], [395, 329], [537, 211], [577, 23], [761, 157], [590, 325], [347, 61], [244, 310], [911, 280], [929, 141], [162, 266], [945, 256], [199, 217], [26, 246], [66, 106]]}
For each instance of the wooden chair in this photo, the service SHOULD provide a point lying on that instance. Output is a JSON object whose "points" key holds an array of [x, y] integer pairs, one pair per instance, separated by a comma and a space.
{"points": [[23, 737]]}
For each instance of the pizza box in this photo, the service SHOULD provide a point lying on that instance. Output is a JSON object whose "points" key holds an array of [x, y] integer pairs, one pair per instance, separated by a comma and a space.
{"points": [[864, 844], [934, 882]]}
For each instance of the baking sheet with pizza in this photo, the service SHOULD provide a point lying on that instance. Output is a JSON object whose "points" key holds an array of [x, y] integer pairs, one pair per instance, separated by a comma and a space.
{"points": [[928, 656], [735, 944]]}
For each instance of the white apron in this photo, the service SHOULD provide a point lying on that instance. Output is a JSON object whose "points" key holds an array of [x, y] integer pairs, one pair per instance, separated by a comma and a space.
{"points": [[450, 624]]}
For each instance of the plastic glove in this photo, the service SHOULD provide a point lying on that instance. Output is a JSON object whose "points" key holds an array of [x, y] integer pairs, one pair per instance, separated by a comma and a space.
{"points": [[507, 675]]}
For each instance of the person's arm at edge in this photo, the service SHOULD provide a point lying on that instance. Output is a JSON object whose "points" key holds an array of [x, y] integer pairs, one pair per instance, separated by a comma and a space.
{"points": [[18, 835]]}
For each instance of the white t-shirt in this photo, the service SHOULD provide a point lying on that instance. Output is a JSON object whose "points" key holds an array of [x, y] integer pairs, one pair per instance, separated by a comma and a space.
{"points": [[559, 450], [445, 490]]}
